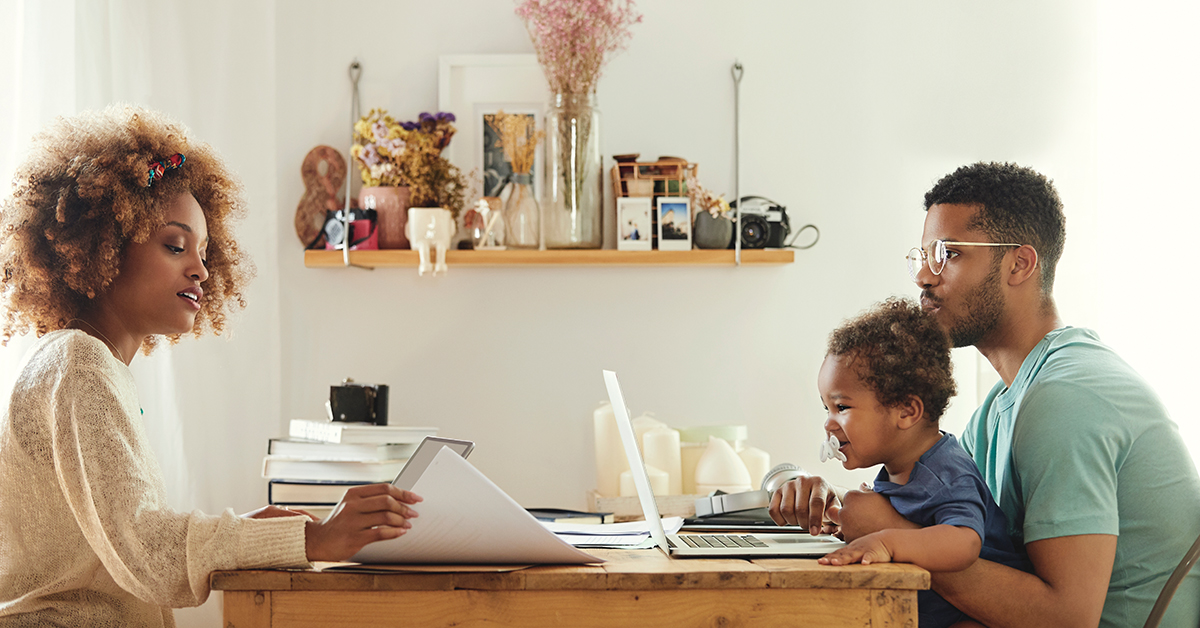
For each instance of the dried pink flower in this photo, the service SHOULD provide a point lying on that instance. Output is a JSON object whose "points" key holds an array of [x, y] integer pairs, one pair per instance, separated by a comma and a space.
{"points": [[574, 38]]}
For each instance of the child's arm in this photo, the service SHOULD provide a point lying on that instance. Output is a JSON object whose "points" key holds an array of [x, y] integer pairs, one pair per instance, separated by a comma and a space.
{"points": [[936, 548]]}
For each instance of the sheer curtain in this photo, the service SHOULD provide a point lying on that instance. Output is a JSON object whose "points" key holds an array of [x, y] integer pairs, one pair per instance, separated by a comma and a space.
{"points": [[210, 404]]}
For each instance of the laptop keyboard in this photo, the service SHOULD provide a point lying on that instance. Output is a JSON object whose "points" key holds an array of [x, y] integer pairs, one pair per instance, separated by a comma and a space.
{"points": [[720, 540]]}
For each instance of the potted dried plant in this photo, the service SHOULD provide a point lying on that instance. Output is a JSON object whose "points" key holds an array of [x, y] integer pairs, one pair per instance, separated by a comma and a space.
{"points": [[712, 227], [402, 166]]}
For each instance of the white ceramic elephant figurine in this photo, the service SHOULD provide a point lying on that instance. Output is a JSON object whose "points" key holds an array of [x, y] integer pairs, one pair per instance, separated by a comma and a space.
{"points": [[430, 227]]}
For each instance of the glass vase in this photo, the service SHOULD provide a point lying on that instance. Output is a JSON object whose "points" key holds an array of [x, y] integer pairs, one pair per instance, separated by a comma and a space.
{"points": [[521, 214], [573, 196]]}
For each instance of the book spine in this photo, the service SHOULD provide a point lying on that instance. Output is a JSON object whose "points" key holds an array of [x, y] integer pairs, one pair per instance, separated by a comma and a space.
{"points": [[313, 430]]}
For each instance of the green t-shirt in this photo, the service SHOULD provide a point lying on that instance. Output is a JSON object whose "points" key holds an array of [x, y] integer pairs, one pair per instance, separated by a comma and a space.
{"points": [[1080, 444]]}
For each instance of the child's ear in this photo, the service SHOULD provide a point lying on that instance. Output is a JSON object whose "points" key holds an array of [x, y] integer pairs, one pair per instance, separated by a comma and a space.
{"points": [[911, 411]]}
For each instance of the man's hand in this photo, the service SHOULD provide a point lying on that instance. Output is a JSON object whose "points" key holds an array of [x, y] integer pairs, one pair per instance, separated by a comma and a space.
{"points": [[808, 501], [864, 512], [867, 549], [366, 514]]}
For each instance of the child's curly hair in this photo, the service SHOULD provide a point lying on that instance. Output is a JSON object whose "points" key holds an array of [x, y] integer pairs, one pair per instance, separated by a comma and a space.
{"points": [[898, 350], [83, 194]]}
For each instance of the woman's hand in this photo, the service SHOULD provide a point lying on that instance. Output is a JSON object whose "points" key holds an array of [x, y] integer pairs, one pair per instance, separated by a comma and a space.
{"points": [[866, 550], [366, 514], [269, 512]]}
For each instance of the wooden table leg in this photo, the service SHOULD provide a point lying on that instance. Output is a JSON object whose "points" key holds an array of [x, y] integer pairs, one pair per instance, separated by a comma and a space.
{"points": [[247, 609]]}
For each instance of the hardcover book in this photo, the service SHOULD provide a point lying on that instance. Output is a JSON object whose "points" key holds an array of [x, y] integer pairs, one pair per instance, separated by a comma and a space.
{"points": [[285, 467], [357, 433], [318, 450], [307, 493]]}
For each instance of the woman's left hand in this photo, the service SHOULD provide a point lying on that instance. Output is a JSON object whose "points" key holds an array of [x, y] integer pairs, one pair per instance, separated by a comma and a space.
{"points": [[269, 512]]}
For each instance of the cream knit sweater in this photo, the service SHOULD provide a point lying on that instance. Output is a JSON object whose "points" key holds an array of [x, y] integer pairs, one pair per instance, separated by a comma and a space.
{"points": [[86, 537]]}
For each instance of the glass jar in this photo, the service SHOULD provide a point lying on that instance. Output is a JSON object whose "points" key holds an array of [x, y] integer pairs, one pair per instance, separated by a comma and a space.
{"points": [[521, 214], [573, 196]]}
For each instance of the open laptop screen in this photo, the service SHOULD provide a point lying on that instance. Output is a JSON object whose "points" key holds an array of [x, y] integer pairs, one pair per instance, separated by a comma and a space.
{"points": [[636, 467]]}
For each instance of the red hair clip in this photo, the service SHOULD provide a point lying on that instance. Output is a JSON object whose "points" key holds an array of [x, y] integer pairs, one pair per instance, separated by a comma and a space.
{"points": [[158, 168]]}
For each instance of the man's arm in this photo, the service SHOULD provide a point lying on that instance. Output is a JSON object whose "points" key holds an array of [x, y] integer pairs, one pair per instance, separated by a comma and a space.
{"points": [[1067, 588]]}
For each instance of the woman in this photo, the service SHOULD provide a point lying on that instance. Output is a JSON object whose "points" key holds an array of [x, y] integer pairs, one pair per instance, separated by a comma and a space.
{"points": [[118, 235]]}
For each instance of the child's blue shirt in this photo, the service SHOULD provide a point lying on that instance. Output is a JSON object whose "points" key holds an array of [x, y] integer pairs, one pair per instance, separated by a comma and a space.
{"points": [[946, 488]]}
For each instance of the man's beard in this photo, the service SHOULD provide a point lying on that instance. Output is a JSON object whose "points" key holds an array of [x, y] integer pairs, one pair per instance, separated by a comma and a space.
{"points": [[984, 305]]}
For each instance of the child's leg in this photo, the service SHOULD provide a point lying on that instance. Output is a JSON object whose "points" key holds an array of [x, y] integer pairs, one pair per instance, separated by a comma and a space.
{"points": [[968, 623]]}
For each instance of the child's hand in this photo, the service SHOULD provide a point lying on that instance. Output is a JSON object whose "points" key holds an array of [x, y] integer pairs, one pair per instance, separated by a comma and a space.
{"points": [[867, 549]]}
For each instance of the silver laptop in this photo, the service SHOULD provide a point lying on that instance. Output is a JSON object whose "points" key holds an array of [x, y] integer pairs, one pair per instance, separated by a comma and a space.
{"points": [[755, 545]]}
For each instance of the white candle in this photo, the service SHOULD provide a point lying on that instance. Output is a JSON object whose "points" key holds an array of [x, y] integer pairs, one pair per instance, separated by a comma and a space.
{"points": [[658, 482], [661, 450], [610, 454]]}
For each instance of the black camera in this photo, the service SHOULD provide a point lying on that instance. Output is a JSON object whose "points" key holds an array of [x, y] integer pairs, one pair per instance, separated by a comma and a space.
{"points": [[359, 403], [764, 223]]}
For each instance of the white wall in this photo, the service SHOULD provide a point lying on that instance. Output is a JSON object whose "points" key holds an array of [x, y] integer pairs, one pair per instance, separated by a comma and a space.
{"points": [[850, 112]]}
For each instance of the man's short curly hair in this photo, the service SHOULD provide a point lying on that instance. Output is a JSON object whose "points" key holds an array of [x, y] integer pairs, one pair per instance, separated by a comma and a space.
{"points": [[82, 195], [898, 350], [1017, 204]]}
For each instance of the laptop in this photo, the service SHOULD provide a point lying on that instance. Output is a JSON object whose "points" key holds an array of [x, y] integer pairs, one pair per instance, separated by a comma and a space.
{"points": [[752, 545]]}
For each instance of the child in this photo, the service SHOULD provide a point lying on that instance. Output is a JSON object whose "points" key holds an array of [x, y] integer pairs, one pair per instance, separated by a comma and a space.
{"points": [[118, 234], [885, 382]]}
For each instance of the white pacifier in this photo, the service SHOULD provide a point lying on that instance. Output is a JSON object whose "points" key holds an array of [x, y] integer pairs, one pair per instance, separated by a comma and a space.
{"points": [[829, 449]]}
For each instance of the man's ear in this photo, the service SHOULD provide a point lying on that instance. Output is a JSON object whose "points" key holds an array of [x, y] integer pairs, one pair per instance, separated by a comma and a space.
{"points": [[909, 412], [1024, 265]]}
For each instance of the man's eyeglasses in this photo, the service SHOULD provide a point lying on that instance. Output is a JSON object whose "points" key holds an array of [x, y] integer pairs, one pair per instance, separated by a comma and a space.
{"points": [[937, 255]]}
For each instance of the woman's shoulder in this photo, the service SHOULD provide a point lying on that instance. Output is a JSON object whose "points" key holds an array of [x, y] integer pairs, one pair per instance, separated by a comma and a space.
{"points": [[66, 350]]}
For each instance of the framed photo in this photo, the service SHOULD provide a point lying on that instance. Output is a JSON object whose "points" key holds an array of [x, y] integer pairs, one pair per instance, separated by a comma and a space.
{"points": [[674, 224], [494, 168], [633, 224], [474, 86]]}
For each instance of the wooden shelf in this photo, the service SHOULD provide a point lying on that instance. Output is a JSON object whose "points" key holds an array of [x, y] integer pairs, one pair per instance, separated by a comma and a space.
{"points": [[592, 257]]}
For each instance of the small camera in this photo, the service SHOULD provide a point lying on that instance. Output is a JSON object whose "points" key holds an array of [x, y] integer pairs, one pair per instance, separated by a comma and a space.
{"points": [[352, 402], [363, 234], [764, 223]]}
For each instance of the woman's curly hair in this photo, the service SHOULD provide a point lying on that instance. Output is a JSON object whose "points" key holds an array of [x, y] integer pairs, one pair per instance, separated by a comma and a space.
{"points": [[898, 350], [83, 194]]}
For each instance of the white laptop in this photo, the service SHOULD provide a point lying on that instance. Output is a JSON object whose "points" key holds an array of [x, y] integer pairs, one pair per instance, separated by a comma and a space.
{"points": [[704, 545]]}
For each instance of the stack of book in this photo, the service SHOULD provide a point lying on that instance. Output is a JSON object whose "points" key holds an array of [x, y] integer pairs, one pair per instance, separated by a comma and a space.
{"points": [[312, 468]]}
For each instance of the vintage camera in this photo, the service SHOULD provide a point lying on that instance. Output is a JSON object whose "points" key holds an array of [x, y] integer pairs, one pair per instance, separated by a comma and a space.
{"points": [[363, 234], [764, 223], [352, 402]]}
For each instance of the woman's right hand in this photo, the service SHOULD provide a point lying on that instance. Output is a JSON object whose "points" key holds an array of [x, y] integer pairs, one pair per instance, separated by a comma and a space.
{"points": [[808, 501], [374, 512]]}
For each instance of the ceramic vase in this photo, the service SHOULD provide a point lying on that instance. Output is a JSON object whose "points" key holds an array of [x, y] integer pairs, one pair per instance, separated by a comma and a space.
{"points": [[710, 232]]}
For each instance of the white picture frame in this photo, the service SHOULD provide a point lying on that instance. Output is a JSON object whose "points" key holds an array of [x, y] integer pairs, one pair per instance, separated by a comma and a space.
{"points": [[674, 223], [471, 86], [634, 225]]}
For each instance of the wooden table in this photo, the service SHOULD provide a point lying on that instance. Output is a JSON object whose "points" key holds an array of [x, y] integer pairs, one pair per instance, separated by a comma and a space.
{"points": [[635, 588]]}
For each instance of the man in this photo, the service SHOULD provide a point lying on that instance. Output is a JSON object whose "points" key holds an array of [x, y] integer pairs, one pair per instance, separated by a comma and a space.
{"points": [[1077, 449]]}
